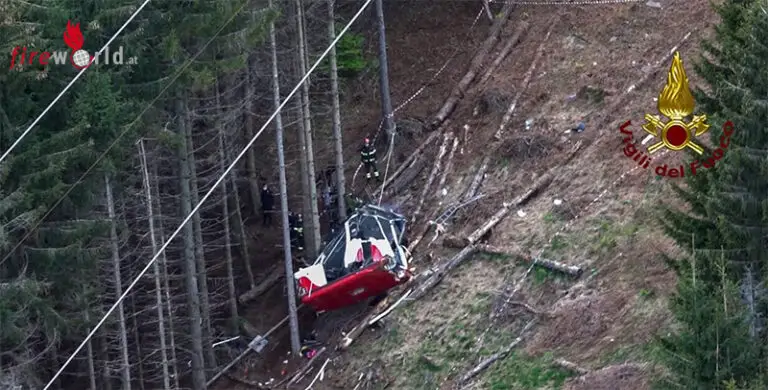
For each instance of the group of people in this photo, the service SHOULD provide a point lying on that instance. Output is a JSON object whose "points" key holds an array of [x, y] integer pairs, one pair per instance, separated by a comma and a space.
{"points": [[329, 198]]}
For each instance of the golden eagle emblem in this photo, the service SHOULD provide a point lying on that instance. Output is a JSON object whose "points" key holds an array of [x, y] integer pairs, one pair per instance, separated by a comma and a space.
{"points": [[676, 103]]}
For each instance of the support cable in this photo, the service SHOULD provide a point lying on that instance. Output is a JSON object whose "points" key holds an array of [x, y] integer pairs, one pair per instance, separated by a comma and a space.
{"points": [[221, 178], [71, 83]]}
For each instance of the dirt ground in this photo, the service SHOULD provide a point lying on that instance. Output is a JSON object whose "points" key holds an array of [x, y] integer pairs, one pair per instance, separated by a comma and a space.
{"points": [[604, 219]]}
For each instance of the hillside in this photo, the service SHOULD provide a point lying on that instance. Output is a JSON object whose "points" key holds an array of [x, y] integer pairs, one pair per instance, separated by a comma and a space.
{"points": [[597, 212]]}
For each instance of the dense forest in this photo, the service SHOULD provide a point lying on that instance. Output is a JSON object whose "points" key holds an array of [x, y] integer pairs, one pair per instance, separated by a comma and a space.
{"points": [[720, 303], [93, 192], [101, 182]]}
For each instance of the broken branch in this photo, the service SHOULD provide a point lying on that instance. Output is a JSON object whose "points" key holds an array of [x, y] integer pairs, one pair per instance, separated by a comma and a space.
{"points": [[570, 366], [320, 373], [496, 356], [409, 161], [434, 276], [478, 179], [572, 270], [306, 368], [431, 178], [448, 165], [273, 276]]}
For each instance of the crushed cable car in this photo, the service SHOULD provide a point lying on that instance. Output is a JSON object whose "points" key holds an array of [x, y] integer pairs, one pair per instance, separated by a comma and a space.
{"points": [[365, 259]]}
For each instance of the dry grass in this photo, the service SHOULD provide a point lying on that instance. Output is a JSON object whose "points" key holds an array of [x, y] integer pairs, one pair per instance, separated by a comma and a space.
{"points": [[613, 312]]}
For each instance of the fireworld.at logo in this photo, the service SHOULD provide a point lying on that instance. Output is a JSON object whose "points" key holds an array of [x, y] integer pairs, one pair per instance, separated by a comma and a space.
{"points": [[77, 56]]}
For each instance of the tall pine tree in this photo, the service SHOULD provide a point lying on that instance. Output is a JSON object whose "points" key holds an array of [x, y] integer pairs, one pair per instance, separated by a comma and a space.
{"points": [[725, 228]]}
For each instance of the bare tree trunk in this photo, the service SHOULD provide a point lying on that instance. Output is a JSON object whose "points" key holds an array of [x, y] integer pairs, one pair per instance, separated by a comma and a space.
{"points": [[155, 267], [202, 272], [140, 364], [289, 281], [312, 223], [240, 226], [166, 285], [126, 367], [189, 263], [250, 126], [104, 352], [386, 100], [89, 347], [223, 162], [336, 116]]}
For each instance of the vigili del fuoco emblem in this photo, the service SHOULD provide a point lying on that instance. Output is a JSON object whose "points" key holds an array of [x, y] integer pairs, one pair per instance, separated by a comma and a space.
{"points": [[676, 128], [676, 103]]}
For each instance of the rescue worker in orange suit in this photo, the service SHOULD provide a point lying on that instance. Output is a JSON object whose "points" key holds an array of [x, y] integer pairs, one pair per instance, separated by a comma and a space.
{"points": [[368, 158]]}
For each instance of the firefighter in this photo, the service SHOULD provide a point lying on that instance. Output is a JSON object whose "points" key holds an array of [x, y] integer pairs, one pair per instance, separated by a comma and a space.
{"points": [[296, 230], [368, 157], [296, 224], [267, 205]]}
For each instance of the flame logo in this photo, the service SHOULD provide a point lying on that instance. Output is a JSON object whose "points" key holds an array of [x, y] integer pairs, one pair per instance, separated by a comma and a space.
{"points": [[73, 37], [676, 100], [676, 103]]}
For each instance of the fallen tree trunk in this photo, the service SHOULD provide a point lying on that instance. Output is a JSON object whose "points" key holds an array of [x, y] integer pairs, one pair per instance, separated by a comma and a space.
{"points": [[448, 165], [477, 62], [273, 276], [526, 81], [570, 366], [539, 185], [434, 276], [572, 270], [432, 175], [353, 334], [496, 356], [486, 227], [478, 179], [410, 160], [408, 177], [504, 51]]}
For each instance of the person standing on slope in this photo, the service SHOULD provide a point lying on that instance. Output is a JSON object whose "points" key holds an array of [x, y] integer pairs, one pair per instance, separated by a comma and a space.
{"points": [[267, 205], [368, 158]]}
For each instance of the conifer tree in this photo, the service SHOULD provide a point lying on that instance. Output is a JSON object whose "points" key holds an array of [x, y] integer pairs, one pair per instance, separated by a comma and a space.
{"points": [[726, 219]]}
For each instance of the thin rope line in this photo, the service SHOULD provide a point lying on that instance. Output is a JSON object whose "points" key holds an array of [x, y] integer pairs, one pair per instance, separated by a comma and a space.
{"points": [[120, 136], [413, 96], [221, 178], [71, 83]]}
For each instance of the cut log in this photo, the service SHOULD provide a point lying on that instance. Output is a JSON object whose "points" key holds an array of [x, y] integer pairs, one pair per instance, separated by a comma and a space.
{"points": [[570, 366], [486, 227], [478, 179], [273, 277], [431, 178], [408, 177], [511, 43], [474, 67], [539, 185], [526, 81], [409, 161], [448, 166], [353, 334], [572, 270], [496, 356], [434, 276]]}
